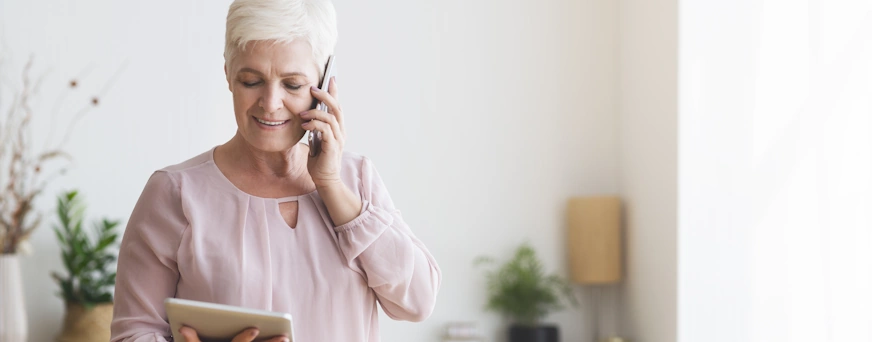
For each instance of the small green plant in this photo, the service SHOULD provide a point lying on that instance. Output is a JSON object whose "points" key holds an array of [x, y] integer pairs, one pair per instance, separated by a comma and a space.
{"points": [[521, 291], [88, 263]]}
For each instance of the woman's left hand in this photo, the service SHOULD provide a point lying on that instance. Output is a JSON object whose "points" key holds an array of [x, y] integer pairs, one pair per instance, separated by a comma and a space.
{"points": [[324, 168]]}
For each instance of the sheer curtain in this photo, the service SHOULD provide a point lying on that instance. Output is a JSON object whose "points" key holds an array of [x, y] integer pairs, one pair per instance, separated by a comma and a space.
{"points": [[775, 171], [812, 173]]}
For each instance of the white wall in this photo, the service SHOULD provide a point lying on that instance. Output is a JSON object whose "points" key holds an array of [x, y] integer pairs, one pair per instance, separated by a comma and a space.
{"points": [[716, 105], [648, 91], [525, 91], [483, 117]]}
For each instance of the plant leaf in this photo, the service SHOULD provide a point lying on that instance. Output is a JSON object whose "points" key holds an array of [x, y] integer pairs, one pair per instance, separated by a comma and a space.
{"points": [[522, 291], [87, 258]]}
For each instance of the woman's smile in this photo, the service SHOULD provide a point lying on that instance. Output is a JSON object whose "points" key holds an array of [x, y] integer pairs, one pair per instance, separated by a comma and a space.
{"points": [[265, 124]]}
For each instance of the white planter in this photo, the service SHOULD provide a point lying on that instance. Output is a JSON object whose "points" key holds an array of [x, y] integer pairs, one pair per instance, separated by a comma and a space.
{"points": [[13, 318]]}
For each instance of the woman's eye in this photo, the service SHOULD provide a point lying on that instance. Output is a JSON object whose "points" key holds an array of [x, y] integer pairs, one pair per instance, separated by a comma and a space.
{"points": [[250, 84], [292, 87]]}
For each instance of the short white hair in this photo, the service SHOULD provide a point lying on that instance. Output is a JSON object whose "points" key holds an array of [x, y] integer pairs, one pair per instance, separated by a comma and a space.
{"points": [[281, 21]]}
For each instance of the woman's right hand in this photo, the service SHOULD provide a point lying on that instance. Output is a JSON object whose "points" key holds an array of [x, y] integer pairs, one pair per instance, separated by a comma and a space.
{"points": [[246, 335]]}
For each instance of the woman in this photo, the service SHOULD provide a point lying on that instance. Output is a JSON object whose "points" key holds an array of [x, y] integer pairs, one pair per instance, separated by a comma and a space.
{"points": [[257, 222]]}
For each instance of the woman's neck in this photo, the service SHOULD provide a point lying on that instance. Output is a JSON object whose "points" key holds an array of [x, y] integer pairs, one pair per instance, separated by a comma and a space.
{"points": [[286, 165]]}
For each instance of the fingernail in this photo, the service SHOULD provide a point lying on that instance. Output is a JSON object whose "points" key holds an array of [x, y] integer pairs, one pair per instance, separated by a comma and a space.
{"points": [[306, 113], [315, 89], [333, 79], [252, 333]]}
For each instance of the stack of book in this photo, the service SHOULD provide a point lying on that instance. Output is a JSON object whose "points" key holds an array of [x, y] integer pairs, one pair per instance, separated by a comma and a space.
{"points": [[462, 332]]}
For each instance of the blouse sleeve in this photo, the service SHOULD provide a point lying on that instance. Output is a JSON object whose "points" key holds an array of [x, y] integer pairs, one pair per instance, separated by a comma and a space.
{"points": [[397, 266], [147, 268]]}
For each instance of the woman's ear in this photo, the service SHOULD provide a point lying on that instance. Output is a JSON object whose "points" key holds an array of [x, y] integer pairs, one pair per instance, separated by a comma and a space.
{"points": [[227, 76]]}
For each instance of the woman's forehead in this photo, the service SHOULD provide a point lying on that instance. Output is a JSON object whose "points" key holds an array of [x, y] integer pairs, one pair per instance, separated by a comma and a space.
{"points": [[277, 58]]}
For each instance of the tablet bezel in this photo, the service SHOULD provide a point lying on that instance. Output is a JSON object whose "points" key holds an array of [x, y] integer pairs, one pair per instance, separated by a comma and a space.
{"points": [[218, 321]]}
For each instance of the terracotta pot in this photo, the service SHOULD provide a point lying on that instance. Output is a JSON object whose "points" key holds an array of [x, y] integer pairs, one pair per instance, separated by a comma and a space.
{"points": [[81, 325], [13, 317]]}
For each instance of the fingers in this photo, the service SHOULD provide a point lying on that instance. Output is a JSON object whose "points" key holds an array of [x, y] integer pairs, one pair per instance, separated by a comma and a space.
{"points": [[333, 89], [279, 339], [326, 132], [331, 99], [189, 334], [314, 116], [246, 335]]}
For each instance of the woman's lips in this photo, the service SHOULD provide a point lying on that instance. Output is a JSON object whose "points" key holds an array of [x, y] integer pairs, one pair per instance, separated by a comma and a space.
{"points": [[270, 124]]}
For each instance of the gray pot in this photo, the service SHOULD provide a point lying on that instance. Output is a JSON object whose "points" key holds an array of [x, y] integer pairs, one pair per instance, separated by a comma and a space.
{"points": [[542, 333]]}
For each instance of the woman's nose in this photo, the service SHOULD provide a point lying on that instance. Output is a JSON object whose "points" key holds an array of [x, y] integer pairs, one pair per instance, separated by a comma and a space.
{"points": [[271, 101]]}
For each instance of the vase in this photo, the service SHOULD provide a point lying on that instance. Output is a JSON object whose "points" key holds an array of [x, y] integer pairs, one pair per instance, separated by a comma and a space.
{"points": [[542, 333], [13, 317], [86, 325]]}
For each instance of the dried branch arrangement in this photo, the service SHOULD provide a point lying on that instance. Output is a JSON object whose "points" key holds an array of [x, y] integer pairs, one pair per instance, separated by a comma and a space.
{"points": [[25, 170]]}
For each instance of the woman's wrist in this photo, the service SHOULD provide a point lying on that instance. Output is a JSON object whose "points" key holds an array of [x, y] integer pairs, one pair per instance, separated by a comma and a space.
{"points": [[325, 185], [342, 204]]}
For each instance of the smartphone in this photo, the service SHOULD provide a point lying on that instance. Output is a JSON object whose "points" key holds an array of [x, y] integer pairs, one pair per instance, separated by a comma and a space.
{"points": [[315, 136]]}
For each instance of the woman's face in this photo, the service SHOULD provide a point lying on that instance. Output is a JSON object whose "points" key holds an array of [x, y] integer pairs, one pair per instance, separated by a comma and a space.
{"points": [[270, 85]]}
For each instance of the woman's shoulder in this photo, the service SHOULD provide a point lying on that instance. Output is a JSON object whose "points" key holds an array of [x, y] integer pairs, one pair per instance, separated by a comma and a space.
{"points": [[191, 172], [353, 168], [352, 160], [192, 163], [356, 165]]}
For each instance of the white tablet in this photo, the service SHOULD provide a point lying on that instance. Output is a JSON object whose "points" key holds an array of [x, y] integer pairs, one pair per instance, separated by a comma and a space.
{"points": [[223, 322]]}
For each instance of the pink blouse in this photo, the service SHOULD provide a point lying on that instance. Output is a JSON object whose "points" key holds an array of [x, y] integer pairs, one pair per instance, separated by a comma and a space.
{"points": [[194, 235]]}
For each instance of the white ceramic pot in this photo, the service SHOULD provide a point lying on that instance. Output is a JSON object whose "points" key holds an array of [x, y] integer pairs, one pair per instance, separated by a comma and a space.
{"points": [[13, 318]]}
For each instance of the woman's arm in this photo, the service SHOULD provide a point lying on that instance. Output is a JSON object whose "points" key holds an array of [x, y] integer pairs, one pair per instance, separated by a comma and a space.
{"points": [[372, 234], [147, 269], [342, 204]]}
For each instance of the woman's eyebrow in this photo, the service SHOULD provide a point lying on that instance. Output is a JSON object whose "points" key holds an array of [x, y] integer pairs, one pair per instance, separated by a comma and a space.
{"points": [[293, 73], [287, 74], [251, 71]]}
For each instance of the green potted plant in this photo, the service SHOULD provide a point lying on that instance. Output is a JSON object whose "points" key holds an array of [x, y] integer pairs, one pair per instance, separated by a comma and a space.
{"points": [[89, 262], [522, 292]]}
